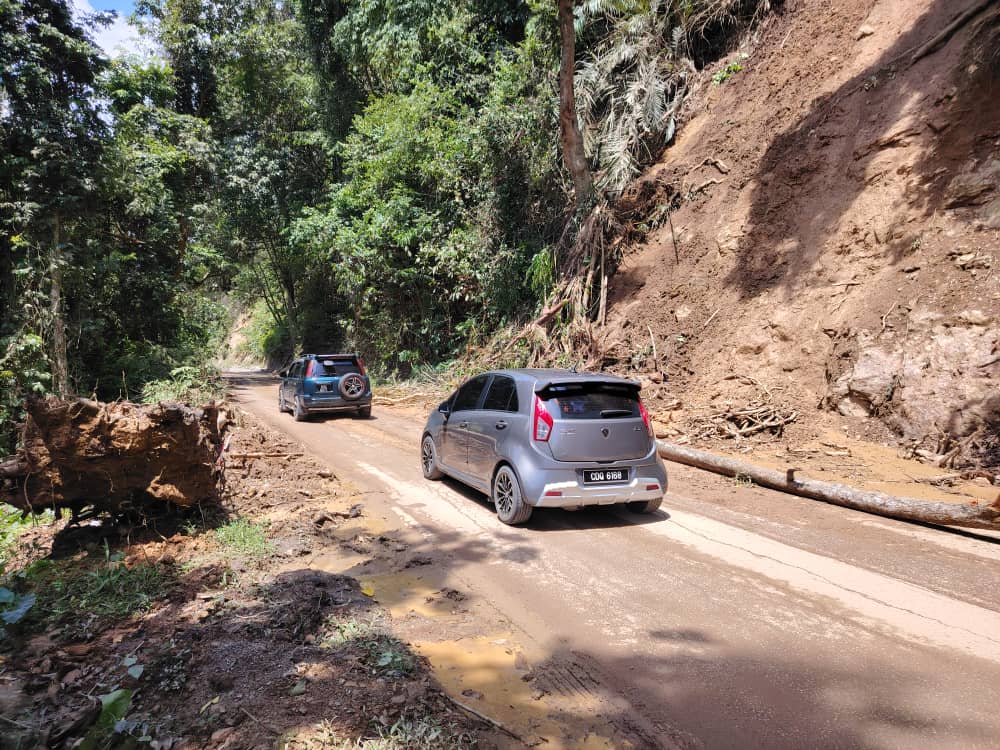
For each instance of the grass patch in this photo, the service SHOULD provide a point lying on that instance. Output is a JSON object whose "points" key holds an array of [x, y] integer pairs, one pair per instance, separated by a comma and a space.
{"points": [[244, 538], [417, 733], [381, 653], [12, 525], [84, 598]]}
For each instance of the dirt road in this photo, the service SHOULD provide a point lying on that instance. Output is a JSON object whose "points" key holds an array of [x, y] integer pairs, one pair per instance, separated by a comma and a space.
{"points": [[735, 618]]}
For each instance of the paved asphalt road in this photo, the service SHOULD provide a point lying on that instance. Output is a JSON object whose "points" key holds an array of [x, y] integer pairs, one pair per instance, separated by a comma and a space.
{"points": [[734, 618]]}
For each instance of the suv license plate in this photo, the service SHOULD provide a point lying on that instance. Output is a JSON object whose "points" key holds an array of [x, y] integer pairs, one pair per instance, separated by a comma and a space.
{"points": [[604, 476], [324, 389]]}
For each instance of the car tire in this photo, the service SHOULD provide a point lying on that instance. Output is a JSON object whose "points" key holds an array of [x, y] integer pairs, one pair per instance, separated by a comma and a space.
{"points": [[428, 459], [299, 411], [365, 412], [352, 386], [507, 498], [644, 506], [282, 408]]}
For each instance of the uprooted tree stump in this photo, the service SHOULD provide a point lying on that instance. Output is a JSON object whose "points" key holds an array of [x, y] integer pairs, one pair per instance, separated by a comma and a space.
{"points": [[80, 453]]}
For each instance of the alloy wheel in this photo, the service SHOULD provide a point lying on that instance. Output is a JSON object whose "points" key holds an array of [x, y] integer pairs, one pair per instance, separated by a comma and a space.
{"points": [[504, 493], [427, 456], [353, 386]]}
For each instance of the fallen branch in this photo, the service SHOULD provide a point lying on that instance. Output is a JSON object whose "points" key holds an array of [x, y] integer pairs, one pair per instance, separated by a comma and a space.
{"points": [[264, 455], [707, 322], [386, 401], [970, 515], [480, 715]]}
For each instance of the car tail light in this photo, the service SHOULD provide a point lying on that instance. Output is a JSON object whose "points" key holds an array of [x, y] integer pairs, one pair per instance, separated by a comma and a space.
{"points": [[651, 487], [542, 422], [553, 493], [361, 366], [309, 368], [645, 418]]}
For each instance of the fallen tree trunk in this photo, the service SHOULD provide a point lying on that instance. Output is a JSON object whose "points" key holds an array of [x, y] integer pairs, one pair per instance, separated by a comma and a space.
{"points": [[79, 453], [971, 515]]}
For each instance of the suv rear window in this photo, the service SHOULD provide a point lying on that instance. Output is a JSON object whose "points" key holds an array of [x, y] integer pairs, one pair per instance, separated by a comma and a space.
{"points": [[591, 401], [329, 368]]}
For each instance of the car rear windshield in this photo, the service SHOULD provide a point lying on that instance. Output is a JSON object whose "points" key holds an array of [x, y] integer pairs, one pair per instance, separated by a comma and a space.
{"points": [[329, 368], [591, 401]]}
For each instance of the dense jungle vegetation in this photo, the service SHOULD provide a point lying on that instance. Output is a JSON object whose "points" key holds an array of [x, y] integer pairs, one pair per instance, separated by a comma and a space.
{"points": [[378, 175]]}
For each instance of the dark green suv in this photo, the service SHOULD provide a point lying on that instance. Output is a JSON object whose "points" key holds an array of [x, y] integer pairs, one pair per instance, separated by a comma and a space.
{"points": [[315, 383]]}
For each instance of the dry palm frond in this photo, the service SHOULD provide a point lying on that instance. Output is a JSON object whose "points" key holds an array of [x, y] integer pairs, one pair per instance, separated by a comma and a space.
{"points": [[633, 80]]}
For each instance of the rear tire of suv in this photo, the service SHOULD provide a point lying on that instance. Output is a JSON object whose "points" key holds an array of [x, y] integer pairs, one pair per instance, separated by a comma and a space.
{"points": [[429, 459], [644, 506], [351, 386], [299, 411], [507, 498], [365, 411]]}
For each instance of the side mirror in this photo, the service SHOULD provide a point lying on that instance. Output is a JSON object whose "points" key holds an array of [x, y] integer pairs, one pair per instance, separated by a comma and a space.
{"points": [[445, 408], [283, 374]]}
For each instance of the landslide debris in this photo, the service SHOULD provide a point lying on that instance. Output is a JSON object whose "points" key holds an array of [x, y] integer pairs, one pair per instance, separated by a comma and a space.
{"points": [[846, 255]]}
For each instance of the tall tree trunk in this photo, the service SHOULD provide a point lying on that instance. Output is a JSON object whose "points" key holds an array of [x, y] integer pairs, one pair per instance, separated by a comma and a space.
{"points": [[291, 317], [572, 142], [6, 285], [60, 359]]}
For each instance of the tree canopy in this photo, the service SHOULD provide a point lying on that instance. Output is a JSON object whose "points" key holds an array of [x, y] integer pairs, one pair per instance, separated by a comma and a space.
{"points": [[378, 175]]}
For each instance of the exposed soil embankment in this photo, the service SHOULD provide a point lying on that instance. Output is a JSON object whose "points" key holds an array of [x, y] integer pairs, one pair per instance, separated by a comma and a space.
{"points": [[836, 250]]}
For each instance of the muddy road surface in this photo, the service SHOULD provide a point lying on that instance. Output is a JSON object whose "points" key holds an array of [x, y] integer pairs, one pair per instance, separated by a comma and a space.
{"points": [[733, 618]]}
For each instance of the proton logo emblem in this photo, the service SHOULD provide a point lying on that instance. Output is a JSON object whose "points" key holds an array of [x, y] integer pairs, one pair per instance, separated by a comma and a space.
{"points": [[605, 431]]}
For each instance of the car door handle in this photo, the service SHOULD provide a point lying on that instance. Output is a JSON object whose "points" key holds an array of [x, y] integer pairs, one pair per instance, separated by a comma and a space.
{"points": [[463, 425], [501, 425]]}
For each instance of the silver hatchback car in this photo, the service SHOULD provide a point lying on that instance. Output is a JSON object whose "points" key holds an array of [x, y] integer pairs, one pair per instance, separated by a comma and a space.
{"points": [[547, 439]]}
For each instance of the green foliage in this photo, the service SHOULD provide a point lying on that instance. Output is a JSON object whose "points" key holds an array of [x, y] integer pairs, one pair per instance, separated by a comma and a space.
{"points": [[244, 538], [23, 373], [266, 338], [83, 597], [382, 653], [378, 175], [727, 72], [13, 523], [193, 384], [114, 707]]}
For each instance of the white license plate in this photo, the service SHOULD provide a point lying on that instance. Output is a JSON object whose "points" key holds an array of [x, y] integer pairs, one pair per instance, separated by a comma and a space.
{"points": [[324, 389], [604, 476]]}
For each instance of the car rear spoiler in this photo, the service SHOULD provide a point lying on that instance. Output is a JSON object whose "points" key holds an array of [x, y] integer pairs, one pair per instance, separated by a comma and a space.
{"points": [[542, 385]]}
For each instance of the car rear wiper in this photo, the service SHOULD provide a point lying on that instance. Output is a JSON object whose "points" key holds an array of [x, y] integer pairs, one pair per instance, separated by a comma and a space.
{"points": [[608, 413]]}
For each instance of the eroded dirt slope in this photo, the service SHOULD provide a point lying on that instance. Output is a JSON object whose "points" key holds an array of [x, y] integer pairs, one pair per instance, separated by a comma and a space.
{"points": [[838, 240]]}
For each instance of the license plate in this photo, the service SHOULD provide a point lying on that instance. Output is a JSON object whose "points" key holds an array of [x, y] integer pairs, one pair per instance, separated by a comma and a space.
{"points": [[604, 476], [324, 389]]}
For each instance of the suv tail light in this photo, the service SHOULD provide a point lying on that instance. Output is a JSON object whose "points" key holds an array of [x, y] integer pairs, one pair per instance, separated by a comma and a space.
{"points": [[361, 366], [309, 368], [541, 422], [645, 418]]}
